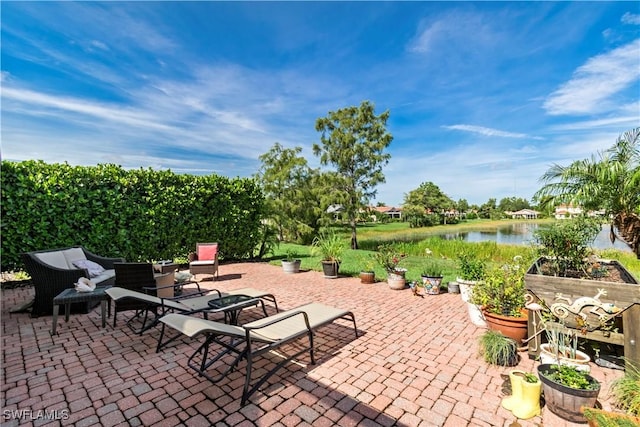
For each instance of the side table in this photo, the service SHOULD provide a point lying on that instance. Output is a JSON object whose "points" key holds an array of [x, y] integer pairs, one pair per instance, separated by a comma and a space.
{"points": [[70, 296]]}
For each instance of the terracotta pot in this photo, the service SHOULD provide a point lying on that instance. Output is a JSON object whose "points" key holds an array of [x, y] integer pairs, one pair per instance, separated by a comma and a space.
{"points": [[396, 281], [367, 277], [512, 327]]}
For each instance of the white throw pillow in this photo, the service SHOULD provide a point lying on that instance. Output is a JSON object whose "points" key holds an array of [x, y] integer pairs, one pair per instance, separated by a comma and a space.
{"points": [[93, 268]]}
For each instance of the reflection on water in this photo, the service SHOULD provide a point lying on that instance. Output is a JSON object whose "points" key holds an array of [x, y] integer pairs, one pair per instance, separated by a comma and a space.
{"points": [[522, 234]]}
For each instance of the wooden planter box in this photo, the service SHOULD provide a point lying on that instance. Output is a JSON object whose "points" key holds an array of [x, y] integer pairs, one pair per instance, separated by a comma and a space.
{"points": [[625, 296]]}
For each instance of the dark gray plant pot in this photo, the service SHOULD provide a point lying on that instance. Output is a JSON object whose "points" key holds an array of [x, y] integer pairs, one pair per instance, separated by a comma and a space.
{"points": [[330, 269]]}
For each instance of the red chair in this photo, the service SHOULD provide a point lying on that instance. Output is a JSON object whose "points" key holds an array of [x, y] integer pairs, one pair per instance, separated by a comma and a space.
{"points": [[205, 260]]}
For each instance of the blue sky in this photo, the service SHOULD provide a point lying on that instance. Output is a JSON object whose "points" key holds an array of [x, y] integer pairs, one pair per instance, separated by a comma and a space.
{"points": [[483, 96]]}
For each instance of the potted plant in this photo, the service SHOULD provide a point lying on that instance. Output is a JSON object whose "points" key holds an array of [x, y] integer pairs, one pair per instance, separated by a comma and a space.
{"points": [[498, 349], [626, 395], [367, 274], [291, 263], [502, 297], [524, 401], [574, 284], [471, 270], [626, 390], [567, 390], [390, 259], [330, 247], [431, 277], [562, 347]]}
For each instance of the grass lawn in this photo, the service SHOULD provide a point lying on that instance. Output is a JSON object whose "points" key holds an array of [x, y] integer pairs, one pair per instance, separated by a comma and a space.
{"points": [[414, 242]]}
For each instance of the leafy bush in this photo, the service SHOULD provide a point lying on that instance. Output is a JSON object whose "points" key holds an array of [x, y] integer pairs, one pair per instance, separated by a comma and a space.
{"points": [[566, 243], [626, 391], [141, 215], [498, 349]]}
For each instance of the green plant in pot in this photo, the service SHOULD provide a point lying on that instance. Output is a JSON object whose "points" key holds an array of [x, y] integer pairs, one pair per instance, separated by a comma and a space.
{"points": [[626, 396], [389, 259], [431, 277], [367, 272], [497, 349], [626, 390], [564, 248], [471, 270], [567, 390], [562, 347], [291, 263], [502, 297], [330, 247]]}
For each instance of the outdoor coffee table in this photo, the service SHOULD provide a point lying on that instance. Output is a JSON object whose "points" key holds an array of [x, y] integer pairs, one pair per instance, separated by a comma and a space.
{"points": [[71, 296], [232, 305]]}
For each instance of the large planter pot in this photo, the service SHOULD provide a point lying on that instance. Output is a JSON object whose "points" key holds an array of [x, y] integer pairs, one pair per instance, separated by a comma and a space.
{"points": [[512, 327], [624, 294], [396, 281], [475, 314], [291, 267], [581, 361], [431, 284], [330, 269], [367, 277], [564, 401]]}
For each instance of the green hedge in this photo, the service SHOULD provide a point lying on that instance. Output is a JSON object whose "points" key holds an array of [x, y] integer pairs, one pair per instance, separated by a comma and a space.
{"points": [[140, 215]]}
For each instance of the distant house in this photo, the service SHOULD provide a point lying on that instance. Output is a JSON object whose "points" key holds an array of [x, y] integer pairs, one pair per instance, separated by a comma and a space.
{"points": [[567, 211], [391, 211], [570, 211], [523, 214]]}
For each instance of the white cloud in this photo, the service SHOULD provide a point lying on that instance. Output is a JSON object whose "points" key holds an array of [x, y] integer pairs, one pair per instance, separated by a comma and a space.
{"points": [[630, 18], [594, 83], [489, 131]]}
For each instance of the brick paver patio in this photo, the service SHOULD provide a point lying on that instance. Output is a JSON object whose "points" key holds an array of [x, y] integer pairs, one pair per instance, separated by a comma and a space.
{"points": [[415, 364]]}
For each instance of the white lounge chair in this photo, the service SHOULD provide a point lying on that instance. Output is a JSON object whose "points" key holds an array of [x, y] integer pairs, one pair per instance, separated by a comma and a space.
{"points": [[253, 339]]}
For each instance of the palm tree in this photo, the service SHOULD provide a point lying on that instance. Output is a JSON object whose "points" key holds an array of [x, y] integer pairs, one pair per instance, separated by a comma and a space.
{"points": [[610, 181]]}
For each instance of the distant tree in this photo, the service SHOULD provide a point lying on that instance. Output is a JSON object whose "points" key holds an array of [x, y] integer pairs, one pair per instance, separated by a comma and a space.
{"points": [[462, 205], [610, 181], [353, 140], [290, 186], [489, 210], [513, 204], [379, 204], [425, 203]]}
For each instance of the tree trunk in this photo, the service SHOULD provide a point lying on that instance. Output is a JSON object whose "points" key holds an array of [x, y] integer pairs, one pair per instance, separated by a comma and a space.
{"points": [[354, 239], [628, 226]]}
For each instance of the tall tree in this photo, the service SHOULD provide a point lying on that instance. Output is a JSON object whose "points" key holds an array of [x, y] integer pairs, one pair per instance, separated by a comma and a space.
{"points": [[609, 181], [353, 140], [289, 186]]}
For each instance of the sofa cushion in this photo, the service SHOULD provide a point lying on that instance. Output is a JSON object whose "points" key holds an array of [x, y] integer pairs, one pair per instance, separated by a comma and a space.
{"points": [[71, 255], [105, 275], [54, 259], [93, 268]]}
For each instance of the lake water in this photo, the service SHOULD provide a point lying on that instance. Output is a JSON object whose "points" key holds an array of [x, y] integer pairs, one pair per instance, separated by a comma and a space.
{"points": [[522, 234]]}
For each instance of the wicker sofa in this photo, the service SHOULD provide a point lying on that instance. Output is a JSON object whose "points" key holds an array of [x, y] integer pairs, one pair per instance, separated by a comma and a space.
{"points": [[53, 271]]}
